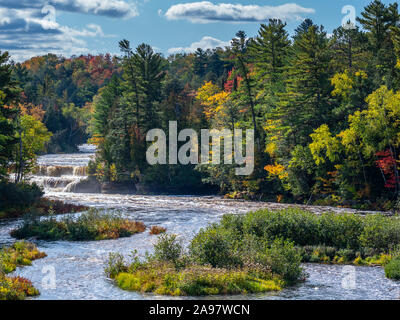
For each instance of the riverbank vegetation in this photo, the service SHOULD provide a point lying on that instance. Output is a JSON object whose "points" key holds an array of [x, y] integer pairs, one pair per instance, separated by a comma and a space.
{"points": [[18, 199], [172, 271], [328, 236], [18, 255], [93, 225]]}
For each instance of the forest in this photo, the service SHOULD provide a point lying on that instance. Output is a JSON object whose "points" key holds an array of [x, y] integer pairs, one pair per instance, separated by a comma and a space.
{"points": [[325, 109]]}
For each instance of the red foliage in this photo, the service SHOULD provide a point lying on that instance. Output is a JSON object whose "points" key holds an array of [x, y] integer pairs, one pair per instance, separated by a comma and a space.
{"points": [[232, 82], [387, 163]]}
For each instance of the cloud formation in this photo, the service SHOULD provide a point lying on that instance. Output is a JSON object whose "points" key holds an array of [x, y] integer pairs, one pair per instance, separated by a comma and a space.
{"points": [[205, 12], [205, 43], [108, 8], [27, 32]]}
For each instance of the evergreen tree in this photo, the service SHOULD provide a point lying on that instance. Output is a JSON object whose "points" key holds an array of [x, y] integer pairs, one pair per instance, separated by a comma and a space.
{"points": [[270, 49], [349, 50], [378, 19], [307, 103], [7, 127]]}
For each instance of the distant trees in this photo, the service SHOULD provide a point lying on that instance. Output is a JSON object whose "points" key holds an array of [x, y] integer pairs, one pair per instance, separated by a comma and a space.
{"points": [[324, 108]]}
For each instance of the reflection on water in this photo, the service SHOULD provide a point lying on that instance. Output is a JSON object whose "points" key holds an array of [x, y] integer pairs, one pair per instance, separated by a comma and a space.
{"points": [[79, 265]]}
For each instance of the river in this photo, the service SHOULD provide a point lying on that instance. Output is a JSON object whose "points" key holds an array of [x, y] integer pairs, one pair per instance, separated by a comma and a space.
{"points": [[78, 266]]}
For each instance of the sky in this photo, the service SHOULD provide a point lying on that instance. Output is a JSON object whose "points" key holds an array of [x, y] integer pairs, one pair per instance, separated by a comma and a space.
{"points": [[73, 27]]}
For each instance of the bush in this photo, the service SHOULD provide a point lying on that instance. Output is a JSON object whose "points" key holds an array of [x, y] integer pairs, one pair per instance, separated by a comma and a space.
{"points": [[284, 260], [392, 269], [380, 232], [348, 231], [155, 230], [16, 288], [18, 255], [115, 265], [18, 196], [168, 248], [214, 246], [92, 225]]}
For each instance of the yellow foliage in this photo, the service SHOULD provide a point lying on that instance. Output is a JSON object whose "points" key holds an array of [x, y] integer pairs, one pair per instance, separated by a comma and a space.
{"points": [[277, 170]]}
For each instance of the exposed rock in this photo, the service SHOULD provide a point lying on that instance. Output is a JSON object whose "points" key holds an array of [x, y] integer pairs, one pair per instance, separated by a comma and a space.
{"points": [[86, 185]]}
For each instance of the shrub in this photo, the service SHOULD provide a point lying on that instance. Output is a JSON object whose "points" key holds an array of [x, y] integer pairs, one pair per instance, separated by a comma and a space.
{"points": [[16, 288], [284, 260], [168, 248], [19, 254], [155, 230], [214, 246], [92, 225], [115, 265], [380, 232], [16, 198], [348, 231], [392, 269]]}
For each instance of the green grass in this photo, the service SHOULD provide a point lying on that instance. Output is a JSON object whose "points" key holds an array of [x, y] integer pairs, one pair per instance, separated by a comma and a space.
{"points": [[91, 225], [18, 255], [164, 279]]}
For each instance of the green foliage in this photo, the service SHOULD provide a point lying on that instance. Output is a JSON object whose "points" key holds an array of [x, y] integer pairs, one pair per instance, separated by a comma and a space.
{"points": [[213, 246], [284, 259], [19, 196], [168, 248], [348, 231], [7, 127], [392, 269], [93, 225]]}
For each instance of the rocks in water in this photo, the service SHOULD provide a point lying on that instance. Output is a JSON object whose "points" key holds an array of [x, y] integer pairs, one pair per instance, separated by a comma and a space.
{"points": [[86, 185]]}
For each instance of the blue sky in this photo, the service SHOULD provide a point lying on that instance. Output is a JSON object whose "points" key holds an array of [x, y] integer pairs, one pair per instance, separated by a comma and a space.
{"points": [[30, 28]]}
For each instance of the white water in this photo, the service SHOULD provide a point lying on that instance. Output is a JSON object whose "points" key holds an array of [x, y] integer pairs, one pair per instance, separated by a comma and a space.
{"points": [[79, 265]]}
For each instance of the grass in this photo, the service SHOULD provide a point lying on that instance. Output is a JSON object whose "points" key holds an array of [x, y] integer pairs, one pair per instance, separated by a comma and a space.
{"points": [[89, 226], [164, 279], [19, 254]]}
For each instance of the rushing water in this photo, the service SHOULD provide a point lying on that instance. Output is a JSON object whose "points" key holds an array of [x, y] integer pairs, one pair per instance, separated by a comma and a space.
{"points": [[79, 266]]}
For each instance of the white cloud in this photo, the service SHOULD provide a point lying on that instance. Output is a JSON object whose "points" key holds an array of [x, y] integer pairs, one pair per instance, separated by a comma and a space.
{"points": [[110, 8], [27, 32], [205, 12], [205, 43]]}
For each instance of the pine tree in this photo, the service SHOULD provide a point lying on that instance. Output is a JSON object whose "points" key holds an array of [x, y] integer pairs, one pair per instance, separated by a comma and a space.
{"points": [[7, 127], [349, 50], [270, 49], [378, 19], [306, 104]]}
